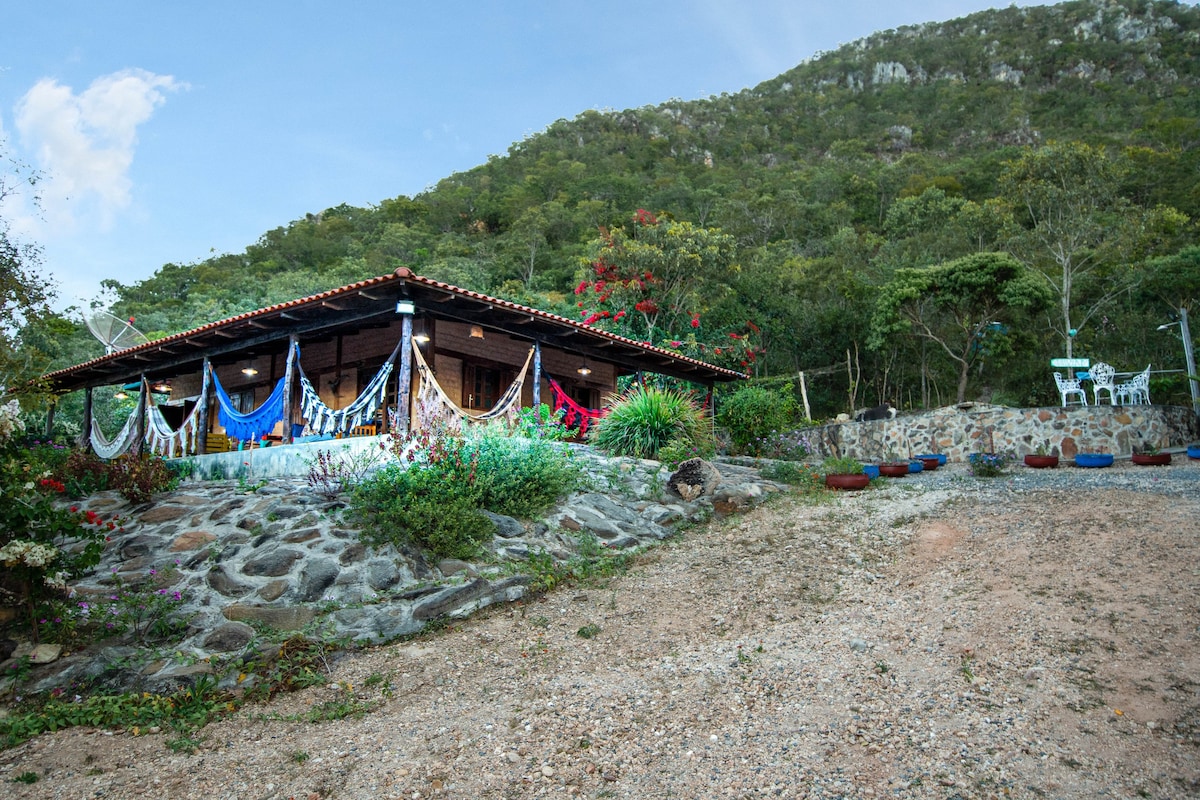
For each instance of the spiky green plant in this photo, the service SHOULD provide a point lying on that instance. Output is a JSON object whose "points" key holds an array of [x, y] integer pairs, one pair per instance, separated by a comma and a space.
{"points": [[647, 418]]}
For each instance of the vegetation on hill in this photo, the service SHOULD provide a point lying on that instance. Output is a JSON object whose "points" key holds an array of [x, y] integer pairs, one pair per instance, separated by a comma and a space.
{"points": [[788, 217]]}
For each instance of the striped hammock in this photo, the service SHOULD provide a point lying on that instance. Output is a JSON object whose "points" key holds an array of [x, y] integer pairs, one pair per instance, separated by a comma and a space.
{"points": [[436, 410], [323, 420], [111, 448], [170, 443]]}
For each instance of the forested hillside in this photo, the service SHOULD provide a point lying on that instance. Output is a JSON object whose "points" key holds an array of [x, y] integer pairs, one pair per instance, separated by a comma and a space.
{"points": [[801, 217]]}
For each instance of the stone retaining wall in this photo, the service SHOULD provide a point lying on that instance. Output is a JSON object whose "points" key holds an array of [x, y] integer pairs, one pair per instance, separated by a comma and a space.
{"points": [[958, 431]]}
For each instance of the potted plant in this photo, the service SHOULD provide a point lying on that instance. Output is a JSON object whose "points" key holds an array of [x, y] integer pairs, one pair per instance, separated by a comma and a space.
{"points": [[1041, 458], [893, 466], [1094, 460], [987, 465], [844, 472], [1194, 450], [929, 460], [1150, 456]]}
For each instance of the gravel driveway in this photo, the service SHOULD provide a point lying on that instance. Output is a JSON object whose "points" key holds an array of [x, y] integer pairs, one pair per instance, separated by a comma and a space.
{"points": [[938, 637]]}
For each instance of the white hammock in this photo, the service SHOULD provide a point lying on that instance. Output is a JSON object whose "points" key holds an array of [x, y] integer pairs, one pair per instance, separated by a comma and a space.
{"points": [[109, 449], [169, 443], [323, 420], [436, 409]]}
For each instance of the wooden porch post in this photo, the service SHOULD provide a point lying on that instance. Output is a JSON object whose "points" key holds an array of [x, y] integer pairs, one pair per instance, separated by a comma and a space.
{"points": [[85, 435], [404, 379], [142, 409], [537, 377], [202, 419], [289, 379], [50, 420]]}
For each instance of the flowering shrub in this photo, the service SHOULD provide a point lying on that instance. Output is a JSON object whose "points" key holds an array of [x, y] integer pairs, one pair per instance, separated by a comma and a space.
{"points": [[988, 465], [331, 474], [42, 544], [753, 413], [434, 494]]}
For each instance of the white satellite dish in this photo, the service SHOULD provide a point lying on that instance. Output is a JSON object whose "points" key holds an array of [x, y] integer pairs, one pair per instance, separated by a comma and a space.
{"points": [[115, 333]]}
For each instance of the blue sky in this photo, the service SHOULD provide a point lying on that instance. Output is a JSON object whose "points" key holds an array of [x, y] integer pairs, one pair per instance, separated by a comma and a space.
{"points": [[169, 131]]}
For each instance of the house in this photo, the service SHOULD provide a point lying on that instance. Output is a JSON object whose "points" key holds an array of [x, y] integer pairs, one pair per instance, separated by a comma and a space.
{"points": [[384, 354]]}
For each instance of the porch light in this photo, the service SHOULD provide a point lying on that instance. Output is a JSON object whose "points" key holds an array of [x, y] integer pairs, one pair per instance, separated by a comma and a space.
{"points": [[405, 307], [584, 370], [121, 395], [249, 371], [421, 338], [476, 331], [162, 387]]}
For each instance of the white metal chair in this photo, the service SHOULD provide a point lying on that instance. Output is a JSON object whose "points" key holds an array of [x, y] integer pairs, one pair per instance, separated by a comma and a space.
{"points": [[1136, 390], [1102, 381], [1069, 386]]}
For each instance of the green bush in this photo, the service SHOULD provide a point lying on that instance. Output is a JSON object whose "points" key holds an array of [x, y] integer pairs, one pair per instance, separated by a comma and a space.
{"points": [[647, 419], [754, 413], [435, 500], [138, 478]]}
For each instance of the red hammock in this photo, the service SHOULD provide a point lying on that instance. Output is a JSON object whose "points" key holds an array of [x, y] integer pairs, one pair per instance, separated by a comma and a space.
{"points": [[573, 410]]}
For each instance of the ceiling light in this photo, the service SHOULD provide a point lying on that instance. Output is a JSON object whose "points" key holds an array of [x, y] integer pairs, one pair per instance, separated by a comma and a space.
{"points": [[422, 338], [584, 370], [249, 371], [405, 307], [476, 332]]}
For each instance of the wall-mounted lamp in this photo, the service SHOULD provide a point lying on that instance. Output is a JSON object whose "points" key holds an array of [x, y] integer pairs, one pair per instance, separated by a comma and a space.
{"points": [[584, 370], [422, 337], [405, 307], [476, 332]]}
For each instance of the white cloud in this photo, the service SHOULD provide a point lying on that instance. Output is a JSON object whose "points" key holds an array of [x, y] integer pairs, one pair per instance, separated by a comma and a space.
{"points": [[84, 143]]}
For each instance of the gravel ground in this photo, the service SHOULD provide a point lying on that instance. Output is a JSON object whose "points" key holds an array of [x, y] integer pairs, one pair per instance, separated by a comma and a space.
{"points": [[938, 637]]}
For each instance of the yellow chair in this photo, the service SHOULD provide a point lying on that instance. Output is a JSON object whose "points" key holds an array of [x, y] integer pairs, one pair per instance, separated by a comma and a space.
{"points": [[363, 430], [216, 443]]}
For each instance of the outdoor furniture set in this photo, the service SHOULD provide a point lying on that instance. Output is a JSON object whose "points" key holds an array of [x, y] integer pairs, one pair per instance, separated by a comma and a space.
{"points": [[1133, 392]]}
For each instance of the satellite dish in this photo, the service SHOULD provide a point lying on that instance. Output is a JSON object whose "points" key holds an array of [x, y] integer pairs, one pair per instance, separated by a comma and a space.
{"points": [[115, 333]]}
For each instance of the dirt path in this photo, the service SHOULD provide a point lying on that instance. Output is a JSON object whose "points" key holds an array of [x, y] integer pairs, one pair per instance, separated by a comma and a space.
{"points": [[972, 640]]}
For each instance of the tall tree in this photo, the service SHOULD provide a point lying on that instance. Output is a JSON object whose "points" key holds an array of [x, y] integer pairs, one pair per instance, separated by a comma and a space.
{"points": [[24, 294], [1069, 224], [956, 306]]}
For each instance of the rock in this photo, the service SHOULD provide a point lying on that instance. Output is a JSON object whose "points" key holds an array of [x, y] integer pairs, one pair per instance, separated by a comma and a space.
{"points": [[45, 653], [228, 637], [223, 584], [290, 618], [273, 590], [192, 540], [273, 563], [694, 478], [317, 576], [162, 513], [506, 527]]}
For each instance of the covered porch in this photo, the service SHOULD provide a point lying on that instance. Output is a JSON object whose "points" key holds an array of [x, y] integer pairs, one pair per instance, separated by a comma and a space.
{"points": [[396, 353]]}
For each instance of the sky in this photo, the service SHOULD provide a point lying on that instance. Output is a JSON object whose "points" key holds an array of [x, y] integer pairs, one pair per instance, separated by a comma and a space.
{"points": [[168, 132]]}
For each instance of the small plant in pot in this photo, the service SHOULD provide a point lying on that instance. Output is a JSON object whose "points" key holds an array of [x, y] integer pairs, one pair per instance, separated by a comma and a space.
{"points": [[1042, 457], [844, 472], [893, 465], [1149, 455]]}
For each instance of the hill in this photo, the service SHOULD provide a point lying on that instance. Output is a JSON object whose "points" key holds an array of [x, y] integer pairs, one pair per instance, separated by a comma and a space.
{"points": [[894, 151]]}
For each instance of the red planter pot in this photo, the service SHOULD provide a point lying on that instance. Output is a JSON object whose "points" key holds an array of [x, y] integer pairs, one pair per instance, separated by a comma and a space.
{"points": [[847, 483], [1155, 460], [893, 470], [1041, 462], [930, 463]]}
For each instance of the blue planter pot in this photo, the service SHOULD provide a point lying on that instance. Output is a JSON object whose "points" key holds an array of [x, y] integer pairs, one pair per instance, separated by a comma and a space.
{"points": [[1194, 451], [915, 466], [1093, 460], [941, 457], [871, 470]]}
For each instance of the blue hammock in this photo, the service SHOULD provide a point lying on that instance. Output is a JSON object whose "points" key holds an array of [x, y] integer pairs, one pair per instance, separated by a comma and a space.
{"points": [[255, 424]]}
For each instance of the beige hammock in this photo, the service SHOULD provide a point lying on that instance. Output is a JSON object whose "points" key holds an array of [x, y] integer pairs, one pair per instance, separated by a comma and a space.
{"points": [[435, 410]]}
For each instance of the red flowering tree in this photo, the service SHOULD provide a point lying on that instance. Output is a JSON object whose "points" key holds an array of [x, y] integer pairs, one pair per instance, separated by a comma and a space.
{"points": [[647, 281], [655, 280]]}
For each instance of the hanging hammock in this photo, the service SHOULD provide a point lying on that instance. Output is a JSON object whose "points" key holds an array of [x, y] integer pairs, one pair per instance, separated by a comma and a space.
{"points": [[254, 424], [323, 420], [435, 409], [109, 449], [573, 410], [169, 443]]}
